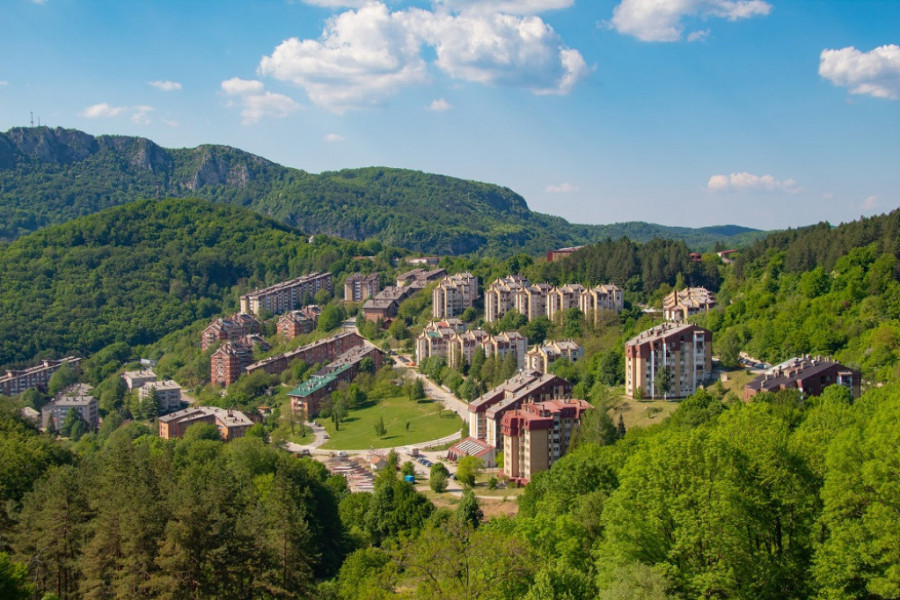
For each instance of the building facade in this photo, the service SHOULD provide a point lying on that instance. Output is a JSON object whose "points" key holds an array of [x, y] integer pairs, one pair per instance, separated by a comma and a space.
{"points": [[542, 356], [538, 434], [228, 362], [287, 295], [439, 339], [325, 350], [229, 329], [668, 361], [16, 382], [679, 305], [294, 323], [453, 295], [600, 298], [306, 398], [486, 411], [500, 297], [232, 424], [168, 394], [358, 287], [809, 375], [78, 398]]}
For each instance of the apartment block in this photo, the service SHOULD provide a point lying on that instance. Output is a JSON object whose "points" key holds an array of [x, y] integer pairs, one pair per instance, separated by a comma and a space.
{"points": [[168, 394], [562, 298], [16, 382], [500, 297], [602, 297], [77, 397], [287, 295], [137, 379], [542, 356], [809, 375], [325, 350], [294, 323], [562, 253], [229, 329], [384, 304], [358, 287], [531, 300], [679, 305], [439, 339], [667, 361], [306, 398], [538, 434], [453, 295], [228, 362], [419, 278], [232, 424], [486, 411]]}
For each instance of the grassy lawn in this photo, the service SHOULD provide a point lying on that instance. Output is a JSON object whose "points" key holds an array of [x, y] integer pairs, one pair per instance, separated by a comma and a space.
{"points": [[358, 429], [737, 380], [642, 413]]}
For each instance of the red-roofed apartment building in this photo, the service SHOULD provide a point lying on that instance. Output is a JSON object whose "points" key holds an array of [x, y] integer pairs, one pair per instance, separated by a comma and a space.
{"points": [[536, 435]]}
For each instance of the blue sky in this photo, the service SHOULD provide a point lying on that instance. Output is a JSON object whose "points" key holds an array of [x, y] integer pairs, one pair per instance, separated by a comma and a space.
{"points": [[768, 114]]}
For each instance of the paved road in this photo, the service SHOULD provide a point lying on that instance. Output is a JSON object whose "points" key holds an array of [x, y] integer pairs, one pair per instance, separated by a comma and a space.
{"points": [[432, 390]]}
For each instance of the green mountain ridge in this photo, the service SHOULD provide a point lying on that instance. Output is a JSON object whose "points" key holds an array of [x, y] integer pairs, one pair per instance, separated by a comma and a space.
{"points": [[50, 176]]}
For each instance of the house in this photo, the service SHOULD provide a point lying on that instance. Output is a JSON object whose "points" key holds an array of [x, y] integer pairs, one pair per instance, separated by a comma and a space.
{"points": [[229, 329], [232, 424], [453, 295], [541, 356], [486, 411], [16, 382], [810, 375], [168, 394], [76, 397], [667, 361], [358, 287], [679, 305], [538, 434], [287, 295]]}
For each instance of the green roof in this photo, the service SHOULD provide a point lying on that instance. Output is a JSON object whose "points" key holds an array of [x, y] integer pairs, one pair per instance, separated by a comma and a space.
{"points": [[317, 382]]}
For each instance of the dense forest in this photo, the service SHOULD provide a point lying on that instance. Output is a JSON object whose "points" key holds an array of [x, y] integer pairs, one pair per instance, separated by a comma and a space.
{"points": [[50, 176], [134, 273], [774, 499]]}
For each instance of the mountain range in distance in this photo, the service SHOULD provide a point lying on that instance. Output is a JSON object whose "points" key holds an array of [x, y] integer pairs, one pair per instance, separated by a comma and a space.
{"points": [[52, 175]]}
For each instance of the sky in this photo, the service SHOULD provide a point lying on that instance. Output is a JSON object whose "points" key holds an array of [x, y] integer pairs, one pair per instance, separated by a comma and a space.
{"points": [[762, 113]]}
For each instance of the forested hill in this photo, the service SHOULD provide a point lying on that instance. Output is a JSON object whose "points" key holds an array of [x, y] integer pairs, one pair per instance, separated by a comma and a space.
{"points": [[49, 176], [134, 273]]}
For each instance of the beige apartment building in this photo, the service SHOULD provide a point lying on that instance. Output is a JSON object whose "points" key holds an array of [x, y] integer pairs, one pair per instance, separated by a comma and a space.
{"points": [[602, 297], [667, 361], [287, 295], [457, 345], [500, 297], [453, 295], [358, 287], [679, 305], [542, 356]]}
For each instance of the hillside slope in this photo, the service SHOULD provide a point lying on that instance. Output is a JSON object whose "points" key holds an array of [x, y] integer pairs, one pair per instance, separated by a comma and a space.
{"points": [[49, 176], [136, 272]]}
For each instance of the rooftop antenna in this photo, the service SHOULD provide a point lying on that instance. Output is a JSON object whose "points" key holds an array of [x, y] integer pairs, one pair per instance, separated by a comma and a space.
{"points": [[32, 118]]}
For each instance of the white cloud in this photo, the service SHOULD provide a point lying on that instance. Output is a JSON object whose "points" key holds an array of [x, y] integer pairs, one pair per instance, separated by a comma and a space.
{"points": [[166, 86], [439, 105], [747, 182], [365, 56], [876, 73], [337, 3], [504, 50], [141, 114], [511, 7], [362, 58], [276, 106], [661, 20], [563, 188], [870, 203], [698, 36], [333, 138], [170, 122], [103, 110], [237, 86]]}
